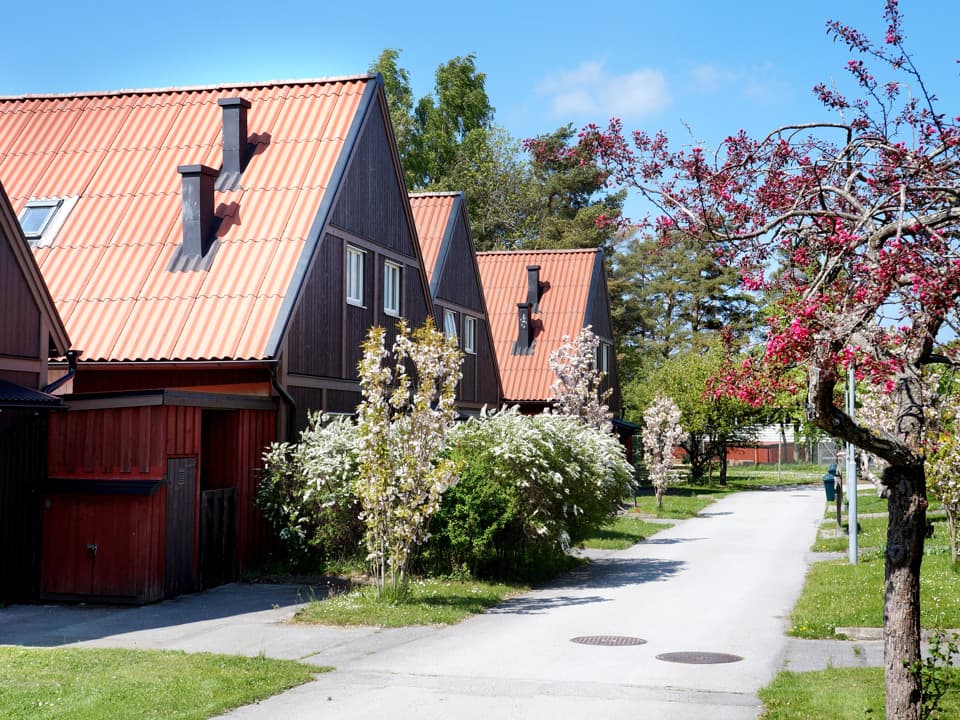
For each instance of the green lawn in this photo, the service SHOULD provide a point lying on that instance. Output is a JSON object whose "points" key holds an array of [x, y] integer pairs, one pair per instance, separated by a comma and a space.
{"points": [[837, 594], [838, 694], [873, 535], [622, 532], [681, 501], [428, 602], [99, 684]]}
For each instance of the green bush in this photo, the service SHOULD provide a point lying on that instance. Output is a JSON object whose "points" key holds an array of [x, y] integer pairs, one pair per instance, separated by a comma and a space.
{"points": [[307, 492], [529, 487]]}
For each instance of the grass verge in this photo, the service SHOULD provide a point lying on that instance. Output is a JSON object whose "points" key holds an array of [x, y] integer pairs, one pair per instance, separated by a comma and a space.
{"points": [[681, 501], [622, 532], [108, 684], [837, 594], [839, 694], [428, 602]]}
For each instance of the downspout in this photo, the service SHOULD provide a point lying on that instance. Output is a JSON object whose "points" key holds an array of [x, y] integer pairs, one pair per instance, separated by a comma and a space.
{"points": [[288, 401], [72, 357]]}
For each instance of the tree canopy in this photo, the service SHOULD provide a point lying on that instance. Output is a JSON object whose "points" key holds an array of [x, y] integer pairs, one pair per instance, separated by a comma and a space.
{"points": [[863, 214]]}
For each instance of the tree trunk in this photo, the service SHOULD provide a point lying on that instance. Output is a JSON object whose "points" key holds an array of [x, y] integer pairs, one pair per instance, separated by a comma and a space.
{"points": [[901, 612], [722, 457]]}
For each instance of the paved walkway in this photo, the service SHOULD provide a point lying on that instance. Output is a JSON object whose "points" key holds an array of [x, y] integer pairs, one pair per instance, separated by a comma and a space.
{"points": [[723, 582]]}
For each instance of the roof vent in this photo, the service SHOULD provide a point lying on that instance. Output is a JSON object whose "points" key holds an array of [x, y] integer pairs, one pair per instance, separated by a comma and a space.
{"points": [[198, 217], [236, 149], [524, 343], [533, 286]]}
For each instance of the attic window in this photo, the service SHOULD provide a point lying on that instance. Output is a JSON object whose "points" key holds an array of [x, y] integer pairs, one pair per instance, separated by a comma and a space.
{"points": [[41, 219], [36, 216]]}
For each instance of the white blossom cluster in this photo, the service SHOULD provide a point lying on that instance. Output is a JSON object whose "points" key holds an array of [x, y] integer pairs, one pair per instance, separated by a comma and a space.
{"points": [[403, 420], [661, 433], [576, 391], [564, 471]]}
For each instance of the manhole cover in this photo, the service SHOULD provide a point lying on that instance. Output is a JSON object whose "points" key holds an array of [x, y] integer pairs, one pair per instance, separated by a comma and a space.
{"points": [[699, 658], [608, 640]]}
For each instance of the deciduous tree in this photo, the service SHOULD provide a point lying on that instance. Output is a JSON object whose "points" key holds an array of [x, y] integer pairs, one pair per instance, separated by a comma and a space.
{"points": [[863, 212]]}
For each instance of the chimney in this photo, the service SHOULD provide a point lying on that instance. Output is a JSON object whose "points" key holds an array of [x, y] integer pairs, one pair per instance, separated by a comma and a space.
{"points": [[524, 344], [234, 134], [197, 183], [533, 287]]}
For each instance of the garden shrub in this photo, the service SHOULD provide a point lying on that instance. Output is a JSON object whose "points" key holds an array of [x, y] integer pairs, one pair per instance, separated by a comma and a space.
{"points": [[530, 486], [307, 492]]}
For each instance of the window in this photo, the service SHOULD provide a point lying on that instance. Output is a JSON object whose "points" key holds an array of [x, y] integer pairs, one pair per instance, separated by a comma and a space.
{"points": [[354, 276], [605, 358], [469, 333], [391, 289], [450, 323], [35, 218]]}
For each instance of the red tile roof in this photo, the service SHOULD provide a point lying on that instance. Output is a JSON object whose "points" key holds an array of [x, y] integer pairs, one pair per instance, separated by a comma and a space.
{"points": [[432, 214], [118, 153], [563, 311]]}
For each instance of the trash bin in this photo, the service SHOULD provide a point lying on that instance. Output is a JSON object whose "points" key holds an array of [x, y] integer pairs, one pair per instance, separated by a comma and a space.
{"points": [[829, 483]]}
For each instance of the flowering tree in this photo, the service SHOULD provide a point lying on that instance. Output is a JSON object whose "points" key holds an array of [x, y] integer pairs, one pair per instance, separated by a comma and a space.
{"points": [[577, 389], [402, 422], [661, 433], [861, 215]]}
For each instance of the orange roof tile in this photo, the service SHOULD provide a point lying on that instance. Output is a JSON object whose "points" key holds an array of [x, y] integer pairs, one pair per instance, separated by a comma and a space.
{"points": [[117, 153], [432, 215], [563, 311]]}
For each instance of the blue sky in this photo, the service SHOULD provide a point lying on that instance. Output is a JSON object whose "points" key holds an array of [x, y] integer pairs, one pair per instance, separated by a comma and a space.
{"points": [[697, 65]]}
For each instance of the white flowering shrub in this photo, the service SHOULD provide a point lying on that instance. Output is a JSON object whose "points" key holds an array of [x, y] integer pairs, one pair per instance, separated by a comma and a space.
{"points": [[661, 433], [529, 487], [306, 492], [577, 389], [403, 420]]}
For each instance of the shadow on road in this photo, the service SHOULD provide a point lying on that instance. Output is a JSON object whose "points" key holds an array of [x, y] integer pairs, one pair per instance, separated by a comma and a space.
{"points": [[54, 625]]}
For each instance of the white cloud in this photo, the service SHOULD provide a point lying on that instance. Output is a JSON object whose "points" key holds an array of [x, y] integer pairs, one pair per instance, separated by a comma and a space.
{"points": [[590, 90], [757, 83]]}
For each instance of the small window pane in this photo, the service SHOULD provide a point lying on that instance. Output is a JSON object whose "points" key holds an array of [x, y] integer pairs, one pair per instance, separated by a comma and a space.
{"points": [[391, 288], [605, 358], [36, 215], [469, 333], [449, 323], [354, 276]]}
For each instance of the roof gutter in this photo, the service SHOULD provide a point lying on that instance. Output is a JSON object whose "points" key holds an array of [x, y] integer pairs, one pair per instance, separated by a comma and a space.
{"points": [[72, 357]]}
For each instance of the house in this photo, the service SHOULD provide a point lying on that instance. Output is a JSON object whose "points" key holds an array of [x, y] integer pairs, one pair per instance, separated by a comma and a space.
{"points": [[536, 299], [217, 254], [30, 333], [450, 260]]}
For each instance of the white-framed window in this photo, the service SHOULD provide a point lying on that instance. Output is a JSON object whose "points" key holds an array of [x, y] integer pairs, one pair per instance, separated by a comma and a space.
{"points": [[354, 274], [605, 358], [42, 218], [469, 334], [450, 323], [391, 288]]}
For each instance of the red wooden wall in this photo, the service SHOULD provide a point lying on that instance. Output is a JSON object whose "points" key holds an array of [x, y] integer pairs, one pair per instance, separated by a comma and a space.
{"points": [[131, 446]]}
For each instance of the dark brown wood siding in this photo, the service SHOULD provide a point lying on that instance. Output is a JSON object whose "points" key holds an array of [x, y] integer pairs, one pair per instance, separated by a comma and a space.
{"points": [[316, 330], [488, 382], [372, 201], [20, 329], [23, 438], [598, 317], [459, 283]]}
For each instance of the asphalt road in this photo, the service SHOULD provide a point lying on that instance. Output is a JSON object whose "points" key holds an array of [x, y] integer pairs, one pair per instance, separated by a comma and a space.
{"points": [[722, 583]]}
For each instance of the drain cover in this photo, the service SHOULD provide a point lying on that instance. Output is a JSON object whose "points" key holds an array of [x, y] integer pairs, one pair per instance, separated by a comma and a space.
{"points": [[608, 640], [699, 658]]}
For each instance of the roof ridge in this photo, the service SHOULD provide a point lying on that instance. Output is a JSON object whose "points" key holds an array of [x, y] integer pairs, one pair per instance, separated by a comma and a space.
{"points": [[551, 251], [190, 88], [436, 193]]}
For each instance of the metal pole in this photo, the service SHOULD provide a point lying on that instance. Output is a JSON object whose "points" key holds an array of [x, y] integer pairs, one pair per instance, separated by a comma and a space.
{"points": [[851, 471]]}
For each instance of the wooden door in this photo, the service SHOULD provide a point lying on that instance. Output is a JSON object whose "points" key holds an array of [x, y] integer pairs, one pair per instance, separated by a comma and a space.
{"points": [[181, 501]]}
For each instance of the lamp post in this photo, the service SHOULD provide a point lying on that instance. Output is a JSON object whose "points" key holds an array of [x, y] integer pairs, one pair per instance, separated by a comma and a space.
{"points": [[851, 471]]}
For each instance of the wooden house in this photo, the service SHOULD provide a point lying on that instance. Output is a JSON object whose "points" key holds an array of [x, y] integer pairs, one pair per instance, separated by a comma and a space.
{"points": [[461, 312], [217, 254], [535, 299], [31, 332]]}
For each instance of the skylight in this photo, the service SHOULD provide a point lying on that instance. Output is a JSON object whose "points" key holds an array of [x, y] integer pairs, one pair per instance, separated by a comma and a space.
{"points": [[36, 215]]}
